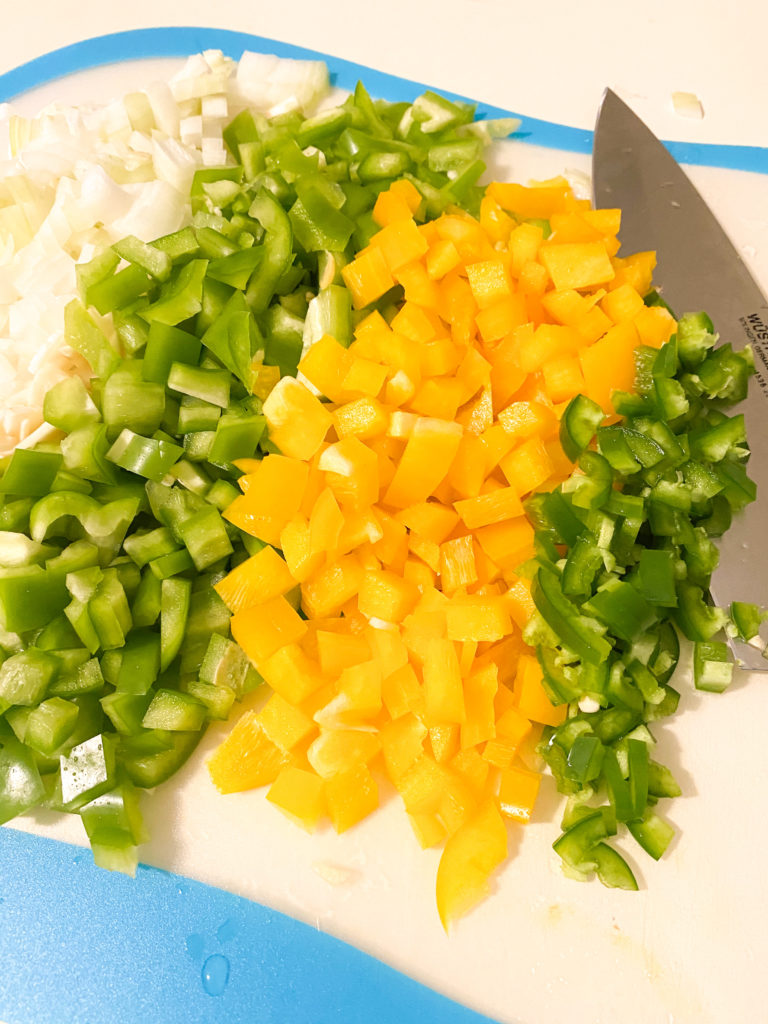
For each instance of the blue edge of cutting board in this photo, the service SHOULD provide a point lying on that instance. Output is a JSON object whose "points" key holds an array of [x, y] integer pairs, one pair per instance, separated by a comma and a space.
{"points": [[79, 945]]}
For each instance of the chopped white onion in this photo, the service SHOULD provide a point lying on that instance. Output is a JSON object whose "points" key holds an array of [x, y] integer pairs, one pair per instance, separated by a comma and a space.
{"points": [[79, 178]]}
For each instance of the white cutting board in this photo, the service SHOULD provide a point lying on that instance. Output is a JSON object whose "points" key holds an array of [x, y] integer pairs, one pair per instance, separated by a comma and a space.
{"points": [[687, 948]]}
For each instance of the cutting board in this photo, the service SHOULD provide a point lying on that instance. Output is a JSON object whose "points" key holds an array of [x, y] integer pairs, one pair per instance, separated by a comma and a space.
{"points": [[236, 915]]}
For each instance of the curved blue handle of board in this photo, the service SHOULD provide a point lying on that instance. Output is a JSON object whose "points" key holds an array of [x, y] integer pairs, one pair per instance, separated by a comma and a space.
{"points": [[180, 41], [79, 945]]}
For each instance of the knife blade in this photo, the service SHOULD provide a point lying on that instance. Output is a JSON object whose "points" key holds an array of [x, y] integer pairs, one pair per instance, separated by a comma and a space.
{"points": [[698, 268]]}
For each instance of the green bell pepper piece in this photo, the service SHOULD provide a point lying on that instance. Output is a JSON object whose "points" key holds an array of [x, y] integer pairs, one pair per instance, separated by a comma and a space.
{"points": [[120, 289], [50, 724], [30, 473], [611, 868], [621, 608], [583, 636], [578, 424], [167, 345], [147, 767], [278, 249], [130, 401], [175, 599], [82, 679], [652, 833], [695, 337], [180, 297], [575, 845], [83, 334], [149, 457], [26, 676], [226, 664], [147, 257], [174, 711], [87, 771], [210, 386], [68, 405], [21, 787], [712, 666]]}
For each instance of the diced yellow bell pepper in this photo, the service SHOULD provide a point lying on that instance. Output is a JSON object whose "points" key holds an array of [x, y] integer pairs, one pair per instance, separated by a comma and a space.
{"points": [[457, 564], [622, 303], [285, 724], [325, 524], [563, 378], [364, 377], [577, 264], [297, 420], [489, 281], [655, 325], [458, 802], [443, 689], [422, 785], [337, 651], [300, 795], [444, 741], [425, 462], [537, 201], [263, 629], [438, 397], [402, 692], [247, 758], [363, 418], [296, 544], [385, 595], [508, 544], [338, 750], [325, 365], [328, 590], [292, 673], [609, 364], [400, 243], [441, 258], [479, 692], [527, 466], [350, 796], [275, 491], [402, 743], [352, 472], [358, 699], [485, 509], [368, 277], [500, 319], [259, 578], [471, 766], [532, 699], [469, 858], [428, 829], [518, 789]]}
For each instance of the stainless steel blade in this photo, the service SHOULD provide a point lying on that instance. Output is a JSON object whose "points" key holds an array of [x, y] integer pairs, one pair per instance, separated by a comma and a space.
{"points": [[698, 269]]}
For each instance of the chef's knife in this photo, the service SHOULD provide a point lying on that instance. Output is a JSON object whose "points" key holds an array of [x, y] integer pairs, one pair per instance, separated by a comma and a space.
{"points": [[698, 269]]}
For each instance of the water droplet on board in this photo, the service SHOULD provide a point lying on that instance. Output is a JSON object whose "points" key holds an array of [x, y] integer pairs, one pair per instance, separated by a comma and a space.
{"points": [[215, 974], [226, 931], [195, 946]]}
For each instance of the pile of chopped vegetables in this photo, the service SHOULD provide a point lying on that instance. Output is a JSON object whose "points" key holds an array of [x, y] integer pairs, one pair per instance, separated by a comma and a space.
{"points": [[423, 466]]}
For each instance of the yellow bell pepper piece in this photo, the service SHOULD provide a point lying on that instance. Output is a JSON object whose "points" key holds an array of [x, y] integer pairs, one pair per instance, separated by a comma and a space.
{"points": [[468, 860], [518, 790], [297, 421], [300, 795], [259, 578], [261, 630], [350, 796], [247, 758], [443, 689]]}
